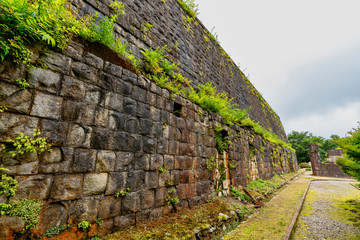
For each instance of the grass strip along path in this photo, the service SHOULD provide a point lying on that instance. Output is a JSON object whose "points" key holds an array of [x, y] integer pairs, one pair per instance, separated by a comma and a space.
{"points": [[273, 220]]}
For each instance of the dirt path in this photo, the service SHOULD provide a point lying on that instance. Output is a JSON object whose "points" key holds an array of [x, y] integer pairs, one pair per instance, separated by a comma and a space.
{"points": [[324, 215], [272, 221]]}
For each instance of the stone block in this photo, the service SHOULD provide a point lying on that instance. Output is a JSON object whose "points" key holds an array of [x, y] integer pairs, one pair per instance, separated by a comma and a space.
{"points": [[147, 199], [162, 146], [84, 210], [101, 117], [120, 141], [14, 98], [132, 125], [156, 162], [116, 183], [105, 161], [122, 222], [135, 180], [145, 127], [77, 112], [113, 69], [139, 94], [173, 147], [164, 178], [124, 88], [129, 76], [155, 114], [79, 136], [8, 225], [45, 80], [74, 50], [132, 202], [47, 106], [149, 145], [151, 98], [151, 180], [84, 160], [116, 102], [33, 187], [73, 89], [155, 89], [66, 187], [124, 161], [97, 96], [55, 156], [142, 161], [52, 215], [143, 110], [117, 121], [160, 197], [190, 190], [95, 183], [54, 131], [130, 106], [107, 81], [157, 130], [93, 60], [101, 138], [110, 207], [143, 82], [57, 62], [181, 191]]}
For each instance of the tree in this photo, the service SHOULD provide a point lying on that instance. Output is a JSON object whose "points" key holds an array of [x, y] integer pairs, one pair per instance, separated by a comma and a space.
{"points": [[300, 142], [350, 162]]}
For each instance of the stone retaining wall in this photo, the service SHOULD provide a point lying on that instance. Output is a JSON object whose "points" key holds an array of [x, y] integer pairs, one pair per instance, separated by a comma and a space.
{"points": [[111, 130], [200, 58]]}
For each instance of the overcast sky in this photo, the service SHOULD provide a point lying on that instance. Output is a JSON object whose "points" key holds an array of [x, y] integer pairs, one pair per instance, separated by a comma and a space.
{"points": [[303, 56]]}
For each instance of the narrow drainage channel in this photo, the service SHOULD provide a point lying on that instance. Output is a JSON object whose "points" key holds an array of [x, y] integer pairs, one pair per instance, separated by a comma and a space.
{"points": [[319, 216]]}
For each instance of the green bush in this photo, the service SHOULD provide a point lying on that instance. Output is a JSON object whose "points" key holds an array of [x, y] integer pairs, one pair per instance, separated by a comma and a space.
{"points": [[237, 194], [304, 165], [260, 185]]}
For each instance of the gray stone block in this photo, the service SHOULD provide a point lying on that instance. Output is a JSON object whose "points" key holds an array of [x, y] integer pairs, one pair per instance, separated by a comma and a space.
{"points": [[66, 187], [73, 89], [45, 80], [93, 60], [14, 98], [105, 161], [84, 160], [85, 72], [116, 183], [47, 106], [57, 62], [124, 161], [84, 210], [95, 183], [79, 136]]}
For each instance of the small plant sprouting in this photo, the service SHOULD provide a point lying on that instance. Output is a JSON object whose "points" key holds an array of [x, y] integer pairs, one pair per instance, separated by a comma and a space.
{"points": [[99, 221], [170, 199], [3, 108], [122, 193], [211, 163], [24, 144], [163, 169], [169, 183], [23, 84], [8, 185], [233, 164], [84, 225], [53, 231]]}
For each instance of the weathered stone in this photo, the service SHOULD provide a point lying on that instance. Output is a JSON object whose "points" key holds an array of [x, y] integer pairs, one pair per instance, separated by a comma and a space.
{"points": [[129, 76], [135, 143], [54, 131], [52, 215], [113, 69], [101, 138], [93, 60], [160, 197], [110, 207], [57, 62], [149, 144], [139, 94], [142, 161], [8, 225], [14, 98], [44, 80], [132, 202], [155, 114], [73, 89], [132, 125], [147, 199], [107, 81], [124, 88], [156, 162], [135, 180], [84, 160], [151, 98], [129, 106], [97, 96], [95, 183], [123, 161], [79, 136], [117, 182], [54, 156], [47, 106], [84, 210], [164, 178], [66, 187], [120, 141], [101, 117], [33, 187], [117, 121], [146, 127], [116, 102], [121, 222], [105, 161], [143, 82], [74, 50]]}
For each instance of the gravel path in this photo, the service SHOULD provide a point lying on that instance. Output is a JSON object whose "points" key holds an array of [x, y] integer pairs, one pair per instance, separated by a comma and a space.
{"points": [[322, 217]]}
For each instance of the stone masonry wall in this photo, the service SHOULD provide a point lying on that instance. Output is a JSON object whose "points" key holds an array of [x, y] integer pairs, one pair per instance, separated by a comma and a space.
{"points": [[200, 59], [113, 130]]}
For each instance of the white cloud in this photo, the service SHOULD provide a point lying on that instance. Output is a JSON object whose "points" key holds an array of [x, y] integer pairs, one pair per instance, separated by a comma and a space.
{"points": [[338, 121]]}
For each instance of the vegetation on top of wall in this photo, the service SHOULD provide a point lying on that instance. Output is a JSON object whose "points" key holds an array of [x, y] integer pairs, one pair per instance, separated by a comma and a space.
{"points": [[190, 7], [53, 23]]}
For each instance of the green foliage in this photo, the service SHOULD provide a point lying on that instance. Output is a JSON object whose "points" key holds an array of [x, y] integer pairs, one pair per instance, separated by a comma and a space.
{"points": [[304, 165], [25, 23], [350, 163], [3, 108], [122, 193], [237, 194], [53, 231], [211, 163], [23, 144], [99, 221], [27, 210], [8, 185], [171, 198], [300, 142], [23, 84], [260, 185], [190, 7], [84, 225]]}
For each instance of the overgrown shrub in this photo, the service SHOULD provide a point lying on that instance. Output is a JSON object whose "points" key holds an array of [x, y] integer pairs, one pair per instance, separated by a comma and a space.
{"points": [[304, 165]]}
